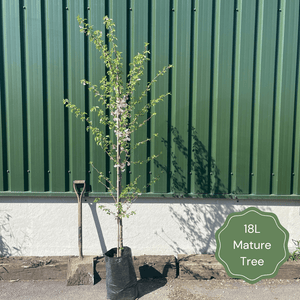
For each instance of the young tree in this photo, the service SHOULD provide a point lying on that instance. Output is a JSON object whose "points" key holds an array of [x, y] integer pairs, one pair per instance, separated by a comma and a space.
{"points": [[123, 120]]}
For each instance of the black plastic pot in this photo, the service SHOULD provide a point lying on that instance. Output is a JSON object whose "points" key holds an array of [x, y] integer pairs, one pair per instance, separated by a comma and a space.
{"points": [[121, 282]]}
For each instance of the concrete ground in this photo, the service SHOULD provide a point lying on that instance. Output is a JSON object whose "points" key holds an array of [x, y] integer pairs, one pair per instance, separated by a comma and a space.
{"points": [[161, 289]]}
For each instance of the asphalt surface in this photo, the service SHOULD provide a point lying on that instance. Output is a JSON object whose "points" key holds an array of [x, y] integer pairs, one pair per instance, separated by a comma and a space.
{"points": [[162, 289]]}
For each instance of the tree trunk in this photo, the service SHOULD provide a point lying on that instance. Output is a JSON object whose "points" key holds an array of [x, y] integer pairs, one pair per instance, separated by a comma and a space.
{"points": [[120, 237], [119, 177]]}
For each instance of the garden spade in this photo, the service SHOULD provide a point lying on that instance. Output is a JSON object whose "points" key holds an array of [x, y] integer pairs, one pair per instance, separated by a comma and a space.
{"points": [[80, 269]]}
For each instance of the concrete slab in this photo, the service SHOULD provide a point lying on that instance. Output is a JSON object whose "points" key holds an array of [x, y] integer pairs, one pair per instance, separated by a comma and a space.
{"points": [[161, 288], [80, 271], [33, 268]]}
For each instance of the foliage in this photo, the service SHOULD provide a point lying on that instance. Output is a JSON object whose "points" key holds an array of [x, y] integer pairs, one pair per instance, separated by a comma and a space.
{"points": [[295, 255], [126, 115]]}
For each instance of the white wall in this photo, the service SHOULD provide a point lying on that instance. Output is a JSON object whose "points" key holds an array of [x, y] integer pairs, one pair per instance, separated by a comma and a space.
{"points": [[48, 226]]}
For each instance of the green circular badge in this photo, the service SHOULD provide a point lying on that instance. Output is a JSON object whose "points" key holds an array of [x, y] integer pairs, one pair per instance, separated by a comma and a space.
{"points": [[252, 245]]}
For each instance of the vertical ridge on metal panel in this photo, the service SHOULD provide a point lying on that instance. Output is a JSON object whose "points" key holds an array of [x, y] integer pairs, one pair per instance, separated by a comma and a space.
{"points": [[170, 82], [214, 94], [23, 44], [23, 13], [149, 94], [159, 124], [214, 31], [66, 126], [76, 91], [285, 96], [190, 99], [87, 134], [3, 173], [222, 96], [118, 12], [243, 86], [264, 93], [139, 35], [13, 89], [127, 55], [180, 96], [55, 94], [1, 136], [232, 98], [254, 75], [201, 98], [295, 187], [34, 96], [45, 98], [296, 166], [96, 72], [277, 75]]}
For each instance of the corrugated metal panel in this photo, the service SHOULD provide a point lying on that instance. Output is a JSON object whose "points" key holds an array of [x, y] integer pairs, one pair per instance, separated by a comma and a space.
{"points": [[231, 126], [201, 105], [14, 82], [285, 97], [139, 32], [98, 157], [160, 46], [56, 89], [243, 88], [37, 134], [3, 137], [181, 97], [221, 95]]}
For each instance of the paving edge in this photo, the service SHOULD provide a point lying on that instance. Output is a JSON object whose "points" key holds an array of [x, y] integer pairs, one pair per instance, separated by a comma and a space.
{"points": [[206, 267], [186, 267]]}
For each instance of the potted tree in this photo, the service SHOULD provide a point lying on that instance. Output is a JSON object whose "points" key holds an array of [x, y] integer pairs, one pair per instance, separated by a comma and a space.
{"points": [[121, 101]]}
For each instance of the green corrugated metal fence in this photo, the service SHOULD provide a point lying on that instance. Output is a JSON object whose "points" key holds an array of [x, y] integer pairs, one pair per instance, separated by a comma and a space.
{"points": [[231, 126]]}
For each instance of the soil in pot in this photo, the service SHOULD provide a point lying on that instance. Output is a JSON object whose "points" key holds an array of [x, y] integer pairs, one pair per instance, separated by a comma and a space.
{"points": [[121, 281]]}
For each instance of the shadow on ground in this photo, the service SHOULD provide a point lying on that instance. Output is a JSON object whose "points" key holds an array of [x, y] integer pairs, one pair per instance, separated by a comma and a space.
{"points": [[149, 285], [93, 208]]}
